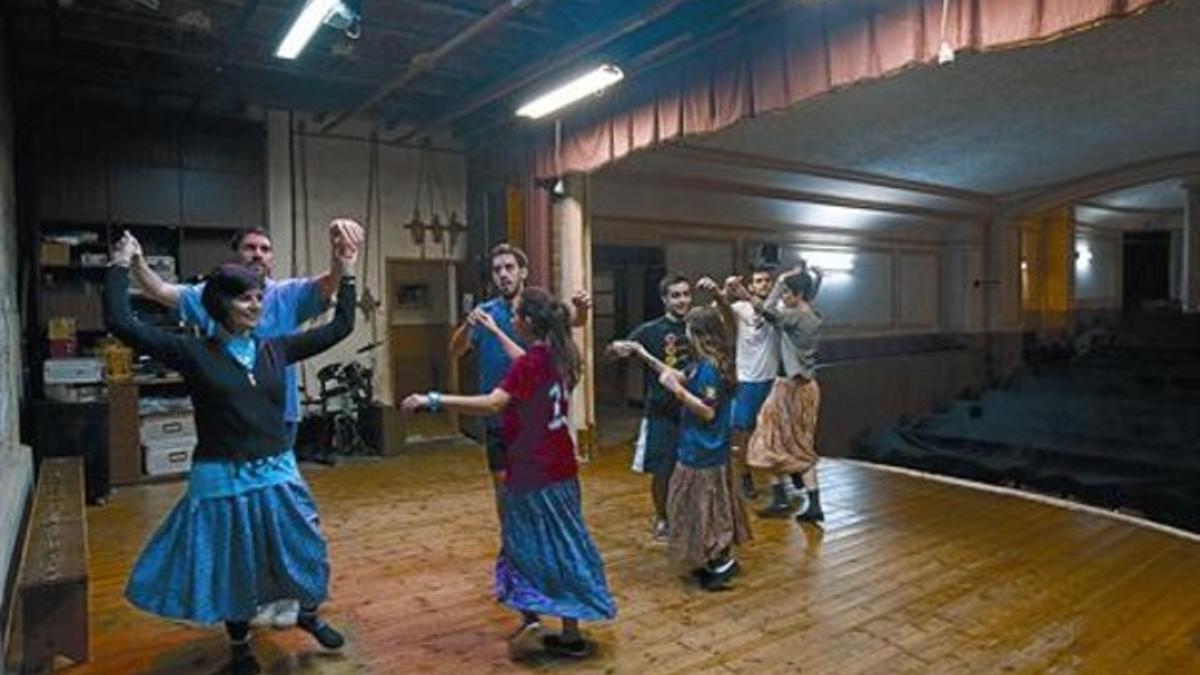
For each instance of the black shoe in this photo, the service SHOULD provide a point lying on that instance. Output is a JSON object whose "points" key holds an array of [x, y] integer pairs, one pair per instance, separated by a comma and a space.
{"points": [[243, 662], [576, 649], [325, 634], [811, 515], [719, 581]]}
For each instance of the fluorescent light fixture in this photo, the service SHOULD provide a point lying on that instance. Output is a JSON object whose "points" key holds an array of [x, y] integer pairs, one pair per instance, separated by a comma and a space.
{"points": [[591, 83], [830, 261], [305, 26]]}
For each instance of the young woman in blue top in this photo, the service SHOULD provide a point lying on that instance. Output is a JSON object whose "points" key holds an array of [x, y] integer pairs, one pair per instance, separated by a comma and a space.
{"points": [[707, 519], [246, 532]]}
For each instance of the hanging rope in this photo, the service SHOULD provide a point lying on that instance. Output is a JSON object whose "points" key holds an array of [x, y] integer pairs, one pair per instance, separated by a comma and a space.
{"points": [[303, 148], [945, 51]]}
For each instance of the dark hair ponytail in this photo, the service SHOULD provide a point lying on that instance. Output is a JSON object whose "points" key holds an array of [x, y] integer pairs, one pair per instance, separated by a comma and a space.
{"points": [[550, 320]]}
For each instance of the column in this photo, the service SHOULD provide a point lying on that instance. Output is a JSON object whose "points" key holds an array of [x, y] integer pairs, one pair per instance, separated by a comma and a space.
{"points": [[572, 265], [1189, 287], [279, 189]]}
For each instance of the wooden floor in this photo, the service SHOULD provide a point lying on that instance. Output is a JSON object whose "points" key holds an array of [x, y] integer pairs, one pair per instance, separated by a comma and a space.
{"points": [[908, 576]]}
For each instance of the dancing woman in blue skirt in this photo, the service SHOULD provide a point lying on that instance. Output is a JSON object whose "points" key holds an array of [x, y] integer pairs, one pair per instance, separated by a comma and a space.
{"points": [[548, 563], [246, 532]]}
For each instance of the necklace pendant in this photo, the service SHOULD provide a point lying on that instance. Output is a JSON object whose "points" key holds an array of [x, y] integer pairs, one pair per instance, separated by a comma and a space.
{"points": [[253, 382]]}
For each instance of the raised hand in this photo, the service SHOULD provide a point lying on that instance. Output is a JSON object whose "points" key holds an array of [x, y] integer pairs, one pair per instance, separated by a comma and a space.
{"points": [[478, 317], [125, 250], [707, 285], [345, 255], [735, 287], [345, 231], [623, 348], [582, 301], [414, 403]]}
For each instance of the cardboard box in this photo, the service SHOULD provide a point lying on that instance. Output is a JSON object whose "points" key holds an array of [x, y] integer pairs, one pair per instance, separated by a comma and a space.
{"points": [[93, 259], [63, 348], [55, 253], [159, 429], [73, 371], [61, 328], [169, 458]]}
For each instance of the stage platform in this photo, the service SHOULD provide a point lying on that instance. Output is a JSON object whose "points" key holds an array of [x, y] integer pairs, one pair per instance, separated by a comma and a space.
{"points": [[909, 575]]}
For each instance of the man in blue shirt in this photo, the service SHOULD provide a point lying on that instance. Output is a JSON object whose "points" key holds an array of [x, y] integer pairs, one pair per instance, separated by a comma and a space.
{"points": [[482, 332], [287, 304]]}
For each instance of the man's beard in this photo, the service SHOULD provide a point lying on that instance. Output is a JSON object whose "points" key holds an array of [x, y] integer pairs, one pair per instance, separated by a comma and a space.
{"points": [[509, 295]]}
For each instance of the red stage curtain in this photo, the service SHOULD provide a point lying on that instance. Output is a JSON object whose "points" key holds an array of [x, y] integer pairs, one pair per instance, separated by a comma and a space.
{"points": [[803, 52]]}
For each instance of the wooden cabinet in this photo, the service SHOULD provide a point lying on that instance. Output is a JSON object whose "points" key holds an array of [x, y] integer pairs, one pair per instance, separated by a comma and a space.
{"points": [[124, 443]]}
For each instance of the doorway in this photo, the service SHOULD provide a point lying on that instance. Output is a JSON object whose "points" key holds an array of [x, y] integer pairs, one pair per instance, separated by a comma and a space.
{"points": [[419, 319], [1147, 271]]}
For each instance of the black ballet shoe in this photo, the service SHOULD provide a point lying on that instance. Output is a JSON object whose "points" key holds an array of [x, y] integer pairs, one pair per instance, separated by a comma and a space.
{"points": [[243, 662], [326, 635], [580, 648], [811, 515]]}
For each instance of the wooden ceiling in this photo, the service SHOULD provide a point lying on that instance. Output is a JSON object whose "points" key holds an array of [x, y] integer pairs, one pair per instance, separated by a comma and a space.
{"points": [[419, 67]]}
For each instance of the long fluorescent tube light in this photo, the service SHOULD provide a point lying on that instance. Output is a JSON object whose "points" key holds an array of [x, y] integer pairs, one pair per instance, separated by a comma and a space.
{"points": [[592, 83], [304, 27]]}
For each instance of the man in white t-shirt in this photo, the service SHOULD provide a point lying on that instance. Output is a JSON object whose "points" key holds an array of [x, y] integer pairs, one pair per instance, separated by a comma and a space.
{"points": [[757, 366]]}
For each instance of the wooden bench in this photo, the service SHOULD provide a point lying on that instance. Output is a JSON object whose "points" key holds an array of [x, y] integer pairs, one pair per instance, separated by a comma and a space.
{"points": [[52, 586]]}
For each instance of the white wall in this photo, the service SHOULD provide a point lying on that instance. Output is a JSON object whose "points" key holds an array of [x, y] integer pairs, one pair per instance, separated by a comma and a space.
{"points": [[1098, 280], [337, 186], [908, 277], [16, 465]]}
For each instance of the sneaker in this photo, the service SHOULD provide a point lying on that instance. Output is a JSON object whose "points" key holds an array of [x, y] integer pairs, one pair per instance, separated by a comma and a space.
{"points": [[326, 635], [577, 649], [526, 641], [661, 532], [265, 617], [286, 613]]}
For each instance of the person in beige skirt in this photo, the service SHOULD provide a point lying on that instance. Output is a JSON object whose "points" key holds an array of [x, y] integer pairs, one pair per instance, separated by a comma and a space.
{"points": [[707, 519], [784, 440]]}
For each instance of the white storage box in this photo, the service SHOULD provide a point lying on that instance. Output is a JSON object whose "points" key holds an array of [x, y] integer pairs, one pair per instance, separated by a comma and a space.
{"points": [[176, 426], [169, 458], [73, 371]]}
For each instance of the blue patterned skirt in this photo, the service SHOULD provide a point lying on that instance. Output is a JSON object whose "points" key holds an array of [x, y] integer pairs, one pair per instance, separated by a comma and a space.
{"points": [[548, 563], [245, 534]]}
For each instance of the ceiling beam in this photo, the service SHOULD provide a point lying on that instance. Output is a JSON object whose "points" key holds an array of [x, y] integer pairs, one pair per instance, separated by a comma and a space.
{"points": [[1131, 210], [471, 13], [1034, 200], [423, 62], [741, 188], [546, 66], [980, 200]]}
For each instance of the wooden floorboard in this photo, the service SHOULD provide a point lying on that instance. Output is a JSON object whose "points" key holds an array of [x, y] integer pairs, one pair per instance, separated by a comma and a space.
{"points": [[908, 576]]}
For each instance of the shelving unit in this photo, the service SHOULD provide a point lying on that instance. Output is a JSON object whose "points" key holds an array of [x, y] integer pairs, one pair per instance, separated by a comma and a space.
{"points": [[181, 184]]}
